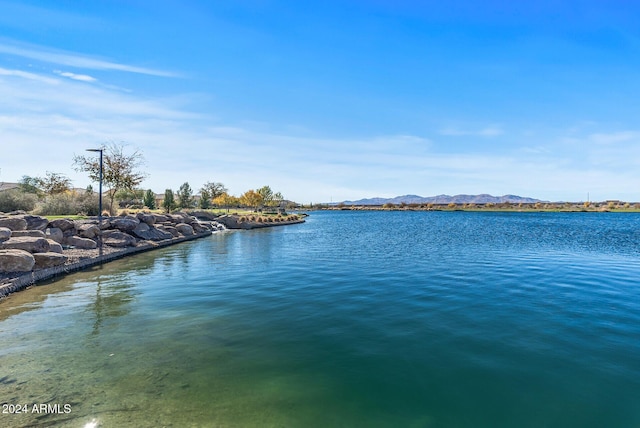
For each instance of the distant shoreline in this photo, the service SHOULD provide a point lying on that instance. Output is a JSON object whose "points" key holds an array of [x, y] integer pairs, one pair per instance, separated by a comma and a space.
{"points": [[543, 207]]}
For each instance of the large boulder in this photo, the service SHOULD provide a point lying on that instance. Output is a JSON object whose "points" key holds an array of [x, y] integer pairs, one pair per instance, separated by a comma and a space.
{"points": [[27, 243], [149, 219], [125, 224], [88, 230], [170, 229], [64, 224], [159, 218], [177, 218], [81, 243], [198, 227], [13, 223], [230, 221], [184, 229], [50, 259], [5, 233], [54, 233], [114, 238], [54, 247], [16, 261], [34, 233], [144, 231], [35, 222]]}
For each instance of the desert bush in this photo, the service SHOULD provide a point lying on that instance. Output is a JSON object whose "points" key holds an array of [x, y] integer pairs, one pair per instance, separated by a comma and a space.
{"points": [[14, 199], [69, 203]]}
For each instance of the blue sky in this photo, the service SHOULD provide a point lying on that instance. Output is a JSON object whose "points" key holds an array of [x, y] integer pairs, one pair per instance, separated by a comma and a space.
{"points": [[330, 100]]}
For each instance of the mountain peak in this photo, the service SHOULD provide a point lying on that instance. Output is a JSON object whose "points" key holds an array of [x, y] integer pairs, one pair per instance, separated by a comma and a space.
{"points": [[483, 198]]}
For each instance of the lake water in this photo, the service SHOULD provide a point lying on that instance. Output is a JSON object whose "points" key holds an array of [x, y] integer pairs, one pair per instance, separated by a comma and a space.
{"points": [[352, 319]]}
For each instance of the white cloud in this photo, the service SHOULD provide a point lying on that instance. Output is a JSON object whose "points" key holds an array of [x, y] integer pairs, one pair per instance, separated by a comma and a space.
{"points": [[27, 75], [46, 120], [74, 59], [74, 76]]}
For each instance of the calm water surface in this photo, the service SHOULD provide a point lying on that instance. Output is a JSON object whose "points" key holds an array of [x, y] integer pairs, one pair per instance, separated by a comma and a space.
{"points": [[353, 319]]}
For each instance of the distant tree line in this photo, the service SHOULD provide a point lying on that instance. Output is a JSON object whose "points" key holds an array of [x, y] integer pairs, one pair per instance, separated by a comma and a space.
{"points": [[53, 194]]}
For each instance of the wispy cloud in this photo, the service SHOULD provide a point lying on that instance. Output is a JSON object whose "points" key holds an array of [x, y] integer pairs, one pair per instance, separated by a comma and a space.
{"points": [[74, 76], [489, 131], [74, 59], [27, 75], [63, 116], [614, 137]]}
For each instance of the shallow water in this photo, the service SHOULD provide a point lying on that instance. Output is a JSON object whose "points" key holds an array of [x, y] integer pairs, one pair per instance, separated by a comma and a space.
{"points": [[389, 319]]}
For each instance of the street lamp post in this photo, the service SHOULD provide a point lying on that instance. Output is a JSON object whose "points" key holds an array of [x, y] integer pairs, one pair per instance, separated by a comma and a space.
{"points": [[99, 200]]}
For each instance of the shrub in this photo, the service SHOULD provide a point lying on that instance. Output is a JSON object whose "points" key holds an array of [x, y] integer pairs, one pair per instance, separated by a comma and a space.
{"points": [[14, 200], [69, 204]]}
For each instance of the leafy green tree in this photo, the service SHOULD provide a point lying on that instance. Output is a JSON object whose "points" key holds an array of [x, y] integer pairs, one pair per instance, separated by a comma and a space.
{"points": [[278, 198], [54, 183], [29, 184], [267, 195], [120, 170], [214, 189], [149, 199], [169, 202], [205, 199], [185, 196], [128, 197]]}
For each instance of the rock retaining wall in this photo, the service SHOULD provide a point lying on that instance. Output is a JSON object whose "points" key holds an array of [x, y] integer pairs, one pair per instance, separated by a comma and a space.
{"points": [[23, 281], [62, 245]]}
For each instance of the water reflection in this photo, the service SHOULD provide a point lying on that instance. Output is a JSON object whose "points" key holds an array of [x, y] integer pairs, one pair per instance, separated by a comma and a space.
{"points": [[112, 299]]}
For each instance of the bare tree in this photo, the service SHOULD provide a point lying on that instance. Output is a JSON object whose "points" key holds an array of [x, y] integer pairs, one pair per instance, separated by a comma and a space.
{"points": [[120, 170]]}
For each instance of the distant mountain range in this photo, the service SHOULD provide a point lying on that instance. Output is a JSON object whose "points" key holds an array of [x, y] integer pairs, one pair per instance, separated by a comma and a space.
{"points": [[444, 199]]}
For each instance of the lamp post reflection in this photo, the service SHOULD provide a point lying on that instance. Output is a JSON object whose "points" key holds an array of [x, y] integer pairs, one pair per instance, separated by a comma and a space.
{"points": [[99, 200]]}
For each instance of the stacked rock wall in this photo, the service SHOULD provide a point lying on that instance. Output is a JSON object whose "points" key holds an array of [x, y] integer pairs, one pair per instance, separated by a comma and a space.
{"points": [[29, 242]]}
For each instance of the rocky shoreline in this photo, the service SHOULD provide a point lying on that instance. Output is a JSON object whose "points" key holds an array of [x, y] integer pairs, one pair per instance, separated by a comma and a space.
{"points": [[34, 249]]}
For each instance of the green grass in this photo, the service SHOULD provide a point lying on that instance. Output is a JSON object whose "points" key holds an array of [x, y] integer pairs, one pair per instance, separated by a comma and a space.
{"points": [[70, 217]]}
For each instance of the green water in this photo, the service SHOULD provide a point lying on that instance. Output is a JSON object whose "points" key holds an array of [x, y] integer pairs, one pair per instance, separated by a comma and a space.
{"points": [[443, 320]]}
